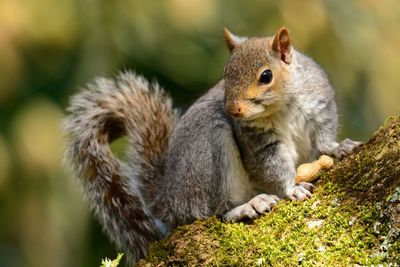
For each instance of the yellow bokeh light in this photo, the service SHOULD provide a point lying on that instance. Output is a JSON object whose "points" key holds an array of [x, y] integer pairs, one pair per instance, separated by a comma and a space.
{"points": [[191, 14], [37, 135]]}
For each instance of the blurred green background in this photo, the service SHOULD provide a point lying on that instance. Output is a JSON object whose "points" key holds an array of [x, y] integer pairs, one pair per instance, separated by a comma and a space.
{"points": [[48, 49]]}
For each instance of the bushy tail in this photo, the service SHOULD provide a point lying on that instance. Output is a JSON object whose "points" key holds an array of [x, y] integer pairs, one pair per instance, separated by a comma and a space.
{"points": [[105, 110]]}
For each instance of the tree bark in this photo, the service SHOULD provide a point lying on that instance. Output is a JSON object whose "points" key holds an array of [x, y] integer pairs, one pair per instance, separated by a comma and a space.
{"points": [[353, 218]]}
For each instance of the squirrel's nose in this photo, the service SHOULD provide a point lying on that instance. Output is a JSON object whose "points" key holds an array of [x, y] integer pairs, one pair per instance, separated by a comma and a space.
{"points": [[234, 108]]}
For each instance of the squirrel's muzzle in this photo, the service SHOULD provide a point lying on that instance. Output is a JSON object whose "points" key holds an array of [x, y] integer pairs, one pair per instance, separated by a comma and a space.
{"points": [[235, 108]]}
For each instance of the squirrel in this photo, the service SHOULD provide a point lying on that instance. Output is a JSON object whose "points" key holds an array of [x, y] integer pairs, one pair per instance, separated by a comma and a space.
{"points": [[232, 154]]}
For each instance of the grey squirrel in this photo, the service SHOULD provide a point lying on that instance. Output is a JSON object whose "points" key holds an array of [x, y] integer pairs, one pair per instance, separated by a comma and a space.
{"points": [[232, 154]]}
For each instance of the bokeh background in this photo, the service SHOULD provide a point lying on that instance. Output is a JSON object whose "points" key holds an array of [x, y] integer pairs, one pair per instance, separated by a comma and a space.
{"points": [[48, 49]]}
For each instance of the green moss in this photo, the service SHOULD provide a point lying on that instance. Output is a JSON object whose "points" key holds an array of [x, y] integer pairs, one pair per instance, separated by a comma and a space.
{"points": [[321, 230], [349, 220]]}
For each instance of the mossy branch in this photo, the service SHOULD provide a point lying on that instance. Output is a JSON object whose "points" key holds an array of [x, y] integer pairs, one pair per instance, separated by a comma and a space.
{"points": [[353, 218]]}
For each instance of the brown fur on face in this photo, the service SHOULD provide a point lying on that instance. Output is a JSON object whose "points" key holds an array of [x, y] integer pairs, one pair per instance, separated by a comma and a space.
{"points": [[250, 57]]}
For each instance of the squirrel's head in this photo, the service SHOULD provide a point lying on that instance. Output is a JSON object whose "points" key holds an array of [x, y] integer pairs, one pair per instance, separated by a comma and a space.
{"points": [[256, 74]]}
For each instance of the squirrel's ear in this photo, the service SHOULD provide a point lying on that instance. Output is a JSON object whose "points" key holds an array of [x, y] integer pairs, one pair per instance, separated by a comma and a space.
{"points": [[281, 45], [232, 40]]}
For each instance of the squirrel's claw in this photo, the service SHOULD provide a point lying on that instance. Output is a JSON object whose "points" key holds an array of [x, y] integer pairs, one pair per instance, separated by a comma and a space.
{"points": [[300, 192]]}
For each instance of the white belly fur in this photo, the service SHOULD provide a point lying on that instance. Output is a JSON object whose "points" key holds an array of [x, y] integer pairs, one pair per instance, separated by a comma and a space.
{"points": [[291, 128], [295, 132]]}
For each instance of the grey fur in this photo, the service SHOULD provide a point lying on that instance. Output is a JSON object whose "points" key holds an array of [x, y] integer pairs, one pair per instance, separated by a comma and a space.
{"points": [[208, 163], [105, 110]]}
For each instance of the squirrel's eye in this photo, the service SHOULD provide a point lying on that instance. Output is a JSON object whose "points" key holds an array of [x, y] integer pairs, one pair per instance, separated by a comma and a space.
{"points": [[265, 77]]}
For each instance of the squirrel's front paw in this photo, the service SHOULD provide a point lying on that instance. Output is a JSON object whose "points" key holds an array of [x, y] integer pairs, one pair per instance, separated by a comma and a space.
{"points": [[347, 146], [257, 205], [300, 192], [342, 149]]}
